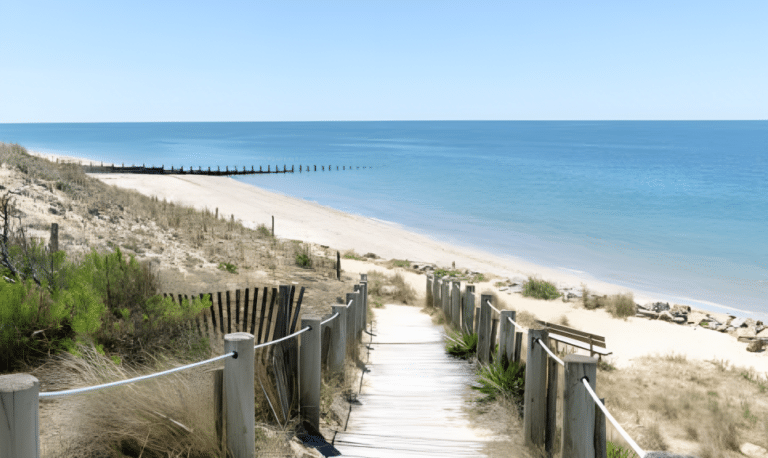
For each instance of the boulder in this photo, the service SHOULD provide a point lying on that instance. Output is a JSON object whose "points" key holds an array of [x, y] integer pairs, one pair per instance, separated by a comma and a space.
{"points": [[756, 346], [752, 450], [680, 320], [680, 310], [666, 316], [746, 332], [738, 322], [659, 306]]}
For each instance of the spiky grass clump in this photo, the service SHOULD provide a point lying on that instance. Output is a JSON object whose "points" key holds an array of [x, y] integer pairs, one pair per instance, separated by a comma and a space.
{"points": [[497, 382], [617, 451], [540, 289], [461, 345]]}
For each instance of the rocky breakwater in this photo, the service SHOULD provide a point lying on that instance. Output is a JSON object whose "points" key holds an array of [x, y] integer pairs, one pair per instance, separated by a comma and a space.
{"points": [[746, 330]]}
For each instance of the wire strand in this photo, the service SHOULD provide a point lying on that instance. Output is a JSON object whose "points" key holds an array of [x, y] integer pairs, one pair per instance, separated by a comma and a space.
{"points": [[559, 361], [53, 394], [266, 344], [621, 431], [329, 319]]}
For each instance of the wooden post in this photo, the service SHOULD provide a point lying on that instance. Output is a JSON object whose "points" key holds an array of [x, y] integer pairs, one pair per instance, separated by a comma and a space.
{"points": [[477, 321], [494, 331], [364, 293], [351, 320], [518, 346], [338, 347], [429, 291], [239, 393], [549, 436], [578, 406], [338, 266], [218, 406], [535, 397], [54, 245], [601, 445], [309, 372], [506, 338], [456, 305], [484, 330], [445, 295], [19, 421], [435, 291], [468, 312]]}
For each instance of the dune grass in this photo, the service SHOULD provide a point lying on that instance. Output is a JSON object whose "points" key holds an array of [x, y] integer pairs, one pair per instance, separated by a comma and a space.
{"points": [[540, 289]]}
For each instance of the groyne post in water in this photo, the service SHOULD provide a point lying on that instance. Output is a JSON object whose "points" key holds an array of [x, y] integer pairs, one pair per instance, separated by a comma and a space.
{"points": [[578, 406], [310, 363], [239, 394], [535, 395], [19, 415]]}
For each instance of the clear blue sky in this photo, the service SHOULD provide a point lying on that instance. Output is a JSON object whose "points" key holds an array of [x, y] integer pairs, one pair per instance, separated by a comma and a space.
{"points": [[100, 61]]}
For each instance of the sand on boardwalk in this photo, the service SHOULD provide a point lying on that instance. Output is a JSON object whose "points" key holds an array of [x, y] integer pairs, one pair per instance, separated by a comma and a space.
{"points": [[308, 221]]}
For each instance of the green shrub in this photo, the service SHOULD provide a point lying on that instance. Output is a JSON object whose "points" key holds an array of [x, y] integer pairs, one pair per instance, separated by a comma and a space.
{"points": [[303, 259], [540, 289], [401, 263], [461, 345], [495, 381], [617, 451], [231, 268]]}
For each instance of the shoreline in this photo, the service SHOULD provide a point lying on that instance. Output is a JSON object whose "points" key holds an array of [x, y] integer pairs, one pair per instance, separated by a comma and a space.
{"points": [[311, 222]]}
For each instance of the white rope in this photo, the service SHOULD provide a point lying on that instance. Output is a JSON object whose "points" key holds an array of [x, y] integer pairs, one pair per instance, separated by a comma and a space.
{"points": [[494, 308], [330, 318], [621, 431], [514, 323], [350, 303], [266, 344], [53, 394], [559, 361]]}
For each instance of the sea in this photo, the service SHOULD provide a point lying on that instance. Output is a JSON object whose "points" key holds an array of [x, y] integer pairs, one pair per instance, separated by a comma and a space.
{"points": [[672, 209]]}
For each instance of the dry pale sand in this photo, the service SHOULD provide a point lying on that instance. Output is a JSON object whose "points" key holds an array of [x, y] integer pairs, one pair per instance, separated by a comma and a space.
{"points": [[311, 222]]}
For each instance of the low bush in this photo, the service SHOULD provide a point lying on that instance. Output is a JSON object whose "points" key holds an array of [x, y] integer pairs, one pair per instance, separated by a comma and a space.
{"points": [[540, 289], [494, 381], [228, 267], [622, 305], [461, 345], [617, 451]]}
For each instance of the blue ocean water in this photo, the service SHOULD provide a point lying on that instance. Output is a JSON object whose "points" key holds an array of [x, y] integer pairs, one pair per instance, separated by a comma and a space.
{"points": [[675, 208]]}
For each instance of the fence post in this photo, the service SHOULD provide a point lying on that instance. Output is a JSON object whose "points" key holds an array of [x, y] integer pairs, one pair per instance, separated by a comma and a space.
{"points": [[239, 394], [338, 266], [54, 244], [578, 406], [435, 291], [518, 346], [429, 291], [218, 406], [445, 295], [309, 372], [351, 319], [601, 446], [535, 397], [484, 330], [456, 305], [19, 410], [506, 338], [549, 436], [477, 320], [338, 347], [468, 312], [364, 292]]}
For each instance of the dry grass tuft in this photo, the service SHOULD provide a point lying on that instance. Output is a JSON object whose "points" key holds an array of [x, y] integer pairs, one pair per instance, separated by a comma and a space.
{"points": [[390, 287]]}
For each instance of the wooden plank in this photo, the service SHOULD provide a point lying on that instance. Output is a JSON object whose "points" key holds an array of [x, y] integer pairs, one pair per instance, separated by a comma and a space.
{"points": [[298, 311], [221, 313], [573, 333], [579, 344], [267, 336], [237, 310], [245, 311], [239, 395], [229, 315], [213, 313], [263, 313]]}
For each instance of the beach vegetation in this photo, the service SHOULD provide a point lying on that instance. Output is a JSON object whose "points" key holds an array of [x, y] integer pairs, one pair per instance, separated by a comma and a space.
{"points": [[461, 345], [477, 278], [393, 287], [440, 273], [263, 231], [622, 305], [540, 289], [495, 381], [350, 254], [617, 451], [403, 263], [527, 319], [303, 259], [228, 267]]}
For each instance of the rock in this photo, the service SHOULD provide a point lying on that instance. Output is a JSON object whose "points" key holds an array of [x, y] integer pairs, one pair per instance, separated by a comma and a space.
{"points": [[680, 319], [659, 306], [503, 288], [756, 346], [746, 332], [752, 450], [680, 310], [738, 322], [666, 316], [723, 327]]}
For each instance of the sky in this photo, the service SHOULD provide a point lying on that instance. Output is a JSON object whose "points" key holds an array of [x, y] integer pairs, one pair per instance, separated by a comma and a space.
{"points": [[292, 60]]}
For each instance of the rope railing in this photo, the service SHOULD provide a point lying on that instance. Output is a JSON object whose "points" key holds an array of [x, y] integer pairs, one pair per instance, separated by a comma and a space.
{"points": [[608, 415], [350, 304], [493, 308], [266, 344], [559, 361], [516, 324], [329, 319], [54, 394]]}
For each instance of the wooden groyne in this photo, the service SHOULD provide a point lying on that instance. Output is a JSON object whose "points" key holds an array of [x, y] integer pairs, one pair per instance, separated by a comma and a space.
{"points": [[142, 169]]}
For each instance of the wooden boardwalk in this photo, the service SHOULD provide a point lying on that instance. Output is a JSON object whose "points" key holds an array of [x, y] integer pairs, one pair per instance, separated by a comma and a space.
{"points": [[414, 399]]}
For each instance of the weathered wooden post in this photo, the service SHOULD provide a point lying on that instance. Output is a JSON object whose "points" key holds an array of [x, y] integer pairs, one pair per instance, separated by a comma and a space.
{"points": [[309, 371], [535, 397], [338, 266], [549, 436], [54, 245], [19, 421], [219, 413], [364, 292], [429, 291], [518, 346], [506, 338], [456, 305], [351, 321], [338, 347], [445, 296], [578, 406], [601, 444], [468, 311], [435, 291], [239, 394], [484, 330], [477, 320], [494, 335]]}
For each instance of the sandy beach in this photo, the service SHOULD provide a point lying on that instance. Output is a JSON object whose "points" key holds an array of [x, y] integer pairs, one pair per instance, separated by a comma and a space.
{"points": [[310, 222]]}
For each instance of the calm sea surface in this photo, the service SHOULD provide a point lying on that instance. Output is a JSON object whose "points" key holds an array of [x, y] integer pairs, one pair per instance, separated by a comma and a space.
{"points": [[679, 209]]}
